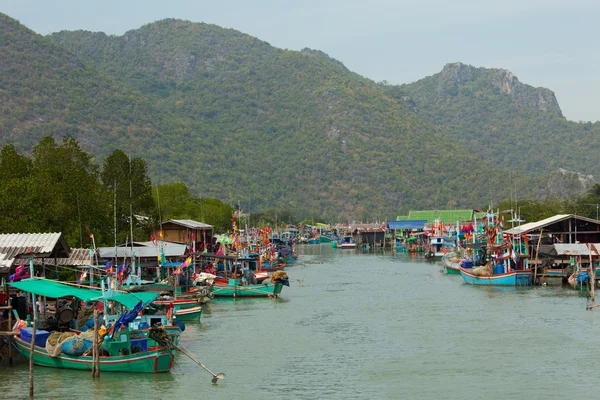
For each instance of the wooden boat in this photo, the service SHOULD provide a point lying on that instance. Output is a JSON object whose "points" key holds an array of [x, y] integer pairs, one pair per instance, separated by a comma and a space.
{"points": [[270, 267], [513, 278], [119, 346], [260, 290], [348, 242], [508, 259], [452, 267], [188, 314], [156, 359], [178, 303]]}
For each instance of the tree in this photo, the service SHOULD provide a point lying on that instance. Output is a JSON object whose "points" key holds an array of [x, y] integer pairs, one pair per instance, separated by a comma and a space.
{"points": [[127, 180]]}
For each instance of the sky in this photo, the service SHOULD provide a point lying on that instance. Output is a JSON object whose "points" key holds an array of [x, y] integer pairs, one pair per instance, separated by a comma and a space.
{"points": [[548, 43]]}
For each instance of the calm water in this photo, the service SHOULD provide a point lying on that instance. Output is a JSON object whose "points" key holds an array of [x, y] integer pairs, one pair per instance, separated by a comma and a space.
{"points": [[367, 326]]}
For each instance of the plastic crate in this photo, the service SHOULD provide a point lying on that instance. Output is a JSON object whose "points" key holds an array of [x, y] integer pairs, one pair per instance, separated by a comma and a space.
{"points": [[40, 336]]}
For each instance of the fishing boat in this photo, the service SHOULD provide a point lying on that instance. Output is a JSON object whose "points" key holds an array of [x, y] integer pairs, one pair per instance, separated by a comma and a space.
{"points": [[507, 259], [453, 261], [348, 242], [235, 288], [156, 359], [188, 314], [121, 353]]}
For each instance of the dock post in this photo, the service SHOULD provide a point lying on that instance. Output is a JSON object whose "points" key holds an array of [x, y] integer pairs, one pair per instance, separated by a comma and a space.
{"points": [[10, 358], [31, 350]]}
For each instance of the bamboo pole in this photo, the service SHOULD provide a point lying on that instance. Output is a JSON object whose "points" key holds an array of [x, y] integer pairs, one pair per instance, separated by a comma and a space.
{"points": [[537, 257], [592, 277], [10, 359], [31, 349]]}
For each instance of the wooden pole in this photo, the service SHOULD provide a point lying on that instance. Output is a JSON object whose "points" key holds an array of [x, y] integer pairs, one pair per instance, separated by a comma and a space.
{"points": [[592, 277], [31, 349], [537, 257], [10, 359]]}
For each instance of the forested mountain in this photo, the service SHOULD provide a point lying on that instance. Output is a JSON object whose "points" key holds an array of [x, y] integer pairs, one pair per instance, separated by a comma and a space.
{"points": [[503, 120], [240, 120]]}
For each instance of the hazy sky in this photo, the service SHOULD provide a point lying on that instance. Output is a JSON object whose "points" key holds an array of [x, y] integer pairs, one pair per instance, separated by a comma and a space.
{"points": [[550, 43]]}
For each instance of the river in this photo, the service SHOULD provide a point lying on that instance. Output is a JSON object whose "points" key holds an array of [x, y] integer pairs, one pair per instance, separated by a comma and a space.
{"points": [[366, 326]]}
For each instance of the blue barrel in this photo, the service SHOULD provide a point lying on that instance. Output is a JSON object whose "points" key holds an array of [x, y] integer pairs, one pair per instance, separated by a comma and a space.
{"points": [[467, 263], [499, 269]]}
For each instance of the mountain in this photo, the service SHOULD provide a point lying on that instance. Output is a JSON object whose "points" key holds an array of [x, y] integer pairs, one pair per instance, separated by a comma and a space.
{"points": [[503, 120], [240, 120]]}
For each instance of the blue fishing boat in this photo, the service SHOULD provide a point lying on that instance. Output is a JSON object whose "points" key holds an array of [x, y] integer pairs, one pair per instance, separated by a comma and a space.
{"points": [[507, 258], [513, 278]]}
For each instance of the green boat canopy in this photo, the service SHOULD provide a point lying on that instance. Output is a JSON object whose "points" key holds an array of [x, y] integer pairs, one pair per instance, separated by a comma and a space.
{"points": [[55, 289], [130, 300]]}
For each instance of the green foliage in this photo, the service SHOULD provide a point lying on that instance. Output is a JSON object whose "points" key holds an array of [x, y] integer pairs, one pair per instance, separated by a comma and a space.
{"points": [[505, 121], [240, 121], [177, 202], [536, 210]]}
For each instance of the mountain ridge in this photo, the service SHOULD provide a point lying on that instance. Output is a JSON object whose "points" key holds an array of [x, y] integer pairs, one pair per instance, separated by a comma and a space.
{"points": [[238, 119]]}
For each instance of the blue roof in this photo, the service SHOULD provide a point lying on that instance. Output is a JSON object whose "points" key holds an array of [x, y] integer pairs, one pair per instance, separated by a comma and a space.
{"points": [[407, 224]]}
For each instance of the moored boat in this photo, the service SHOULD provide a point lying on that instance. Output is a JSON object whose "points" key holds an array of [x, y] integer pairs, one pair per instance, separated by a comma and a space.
{"points": [[156, 359], [452, 263]]}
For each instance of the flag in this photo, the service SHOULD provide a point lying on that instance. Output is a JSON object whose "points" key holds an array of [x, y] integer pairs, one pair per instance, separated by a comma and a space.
{"points": [[154, 241], [120, 270], [125, 273], [515, 256], [185, 264], [108, 267], [126, 318], [82, 277], [160, 234]]}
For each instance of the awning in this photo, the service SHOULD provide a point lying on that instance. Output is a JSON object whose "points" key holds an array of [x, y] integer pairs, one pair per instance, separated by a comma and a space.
{"points": [[130, 300], [55, 289], [407, 224]]}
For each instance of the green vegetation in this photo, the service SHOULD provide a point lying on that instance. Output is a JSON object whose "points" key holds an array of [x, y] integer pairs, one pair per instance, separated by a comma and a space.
{"points": [[232, 118], [60, 189], [504, 121]]}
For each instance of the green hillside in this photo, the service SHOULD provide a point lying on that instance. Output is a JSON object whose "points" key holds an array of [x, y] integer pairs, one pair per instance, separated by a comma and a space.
{"points": [[503, 120], [240, 120]]}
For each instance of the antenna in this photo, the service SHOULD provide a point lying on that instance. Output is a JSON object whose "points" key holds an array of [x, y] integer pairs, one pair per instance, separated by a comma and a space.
{"points": [[597, 205], [131, 211]]}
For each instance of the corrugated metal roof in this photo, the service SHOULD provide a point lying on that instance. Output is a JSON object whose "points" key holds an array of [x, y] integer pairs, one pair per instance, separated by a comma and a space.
{"points": [[13, 245], [370, 230], [367, 226], [573, 249], [171, 250], [188, 223], [533, 226], [77, 257], [595, 247]]}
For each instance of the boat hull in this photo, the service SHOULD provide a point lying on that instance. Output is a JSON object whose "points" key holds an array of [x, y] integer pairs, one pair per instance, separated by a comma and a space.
{"points": [[188, 314], [269, 290], [152, 361], [452, 268], [514, 278]]}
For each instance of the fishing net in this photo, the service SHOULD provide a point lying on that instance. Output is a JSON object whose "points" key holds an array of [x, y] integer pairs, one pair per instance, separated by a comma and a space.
{"points": [[55, 341], [485, 270], [279, 275], [84, 315]]}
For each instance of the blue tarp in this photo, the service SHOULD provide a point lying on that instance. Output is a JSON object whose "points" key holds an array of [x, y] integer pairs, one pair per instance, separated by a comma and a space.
{"points": [[407, 224]]}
